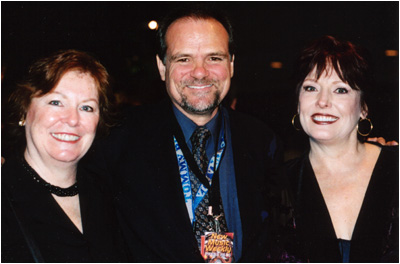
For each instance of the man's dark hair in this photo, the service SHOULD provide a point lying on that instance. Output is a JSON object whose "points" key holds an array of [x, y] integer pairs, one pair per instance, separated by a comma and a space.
{"points": [[197, 11]]}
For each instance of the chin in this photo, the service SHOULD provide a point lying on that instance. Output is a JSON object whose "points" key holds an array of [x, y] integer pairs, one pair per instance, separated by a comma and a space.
{"points": [[321, 136], [68, 157], [326, 140], [200, 107]]}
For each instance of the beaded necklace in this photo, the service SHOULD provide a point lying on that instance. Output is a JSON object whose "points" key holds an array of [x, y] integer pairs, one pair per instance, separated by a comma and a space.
{"points": [[62, 192]]}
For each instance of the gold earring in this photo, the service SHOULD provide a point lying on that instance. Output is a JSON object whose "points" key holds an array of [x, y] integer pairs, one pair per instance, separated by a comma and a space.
{"points": [[370, 127], [294, 117]]}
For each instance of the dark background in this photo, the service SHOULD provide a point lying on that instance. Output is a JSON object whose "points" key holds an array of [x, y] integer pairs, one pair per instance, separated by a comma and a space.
{"points": [[117, 33]]}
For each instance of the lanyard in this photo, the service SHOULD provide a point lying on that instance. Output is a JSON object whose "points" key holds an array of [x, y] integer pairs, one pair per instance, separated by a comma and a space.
{"points": [[182, 151]]}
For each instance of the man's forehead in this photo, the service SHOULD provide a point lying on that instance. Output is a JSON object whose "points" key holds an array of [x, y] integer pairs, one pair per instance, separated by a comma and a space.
{"points": [[193, 19], [206, 34], [188, 24]]}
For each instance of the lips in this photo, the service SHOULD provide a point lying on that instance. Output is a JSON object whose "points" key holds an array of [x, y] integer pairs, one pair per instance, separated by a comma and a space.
{"points": [[324, 119], [66, 137]]}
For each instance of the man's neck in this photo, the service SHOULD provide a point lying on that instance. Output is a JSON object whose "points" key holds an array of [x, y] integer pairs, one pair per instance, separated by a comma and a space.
{"points": [[188, 126]]}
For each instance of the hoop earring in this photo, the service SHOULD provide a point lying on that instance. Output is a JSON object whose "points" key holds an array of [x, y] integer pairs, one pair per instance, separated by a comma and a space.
{"points": [[370, 125], [294, 117]]}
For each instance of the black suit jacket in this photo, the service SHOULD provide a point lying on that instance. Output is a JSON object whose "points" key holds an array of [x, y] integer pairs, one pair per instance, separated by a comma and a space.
{"points": [[53, 233], [141, 158]]}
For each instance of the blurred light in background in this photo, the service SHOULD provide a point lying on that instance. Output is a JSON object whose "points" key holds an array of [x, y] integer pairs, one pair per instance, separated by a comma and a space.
{"points": [[153, 25], [392, 53], [276, 65]]}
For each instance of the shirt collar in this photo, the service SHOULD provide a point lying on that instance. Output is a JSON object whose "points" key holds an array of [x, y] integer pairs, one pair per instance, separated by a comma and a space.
{"points": [[188, 126]]}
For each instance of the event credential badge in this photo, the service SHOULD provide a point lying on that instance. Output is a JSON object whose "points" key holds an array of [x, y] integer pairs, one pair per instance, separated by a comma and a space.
{"points": [[217, 247]]}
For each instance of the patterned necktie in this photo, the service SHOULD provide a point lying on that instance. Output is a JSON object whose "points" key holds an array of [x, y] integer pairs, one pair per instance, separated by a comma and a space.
{"points": [[199, 140]]}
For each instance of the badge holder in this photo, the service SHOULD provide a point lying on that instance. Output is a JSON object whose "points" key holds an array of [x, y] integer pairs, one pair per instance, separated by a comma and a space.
{"points": [[216, 246]]}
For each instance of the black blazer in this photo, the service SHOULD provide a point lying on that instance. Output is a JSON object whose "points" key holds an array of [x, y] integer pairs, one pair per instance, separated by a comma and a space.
{"points": [[310, 236], [53, 233], [141, 158]]}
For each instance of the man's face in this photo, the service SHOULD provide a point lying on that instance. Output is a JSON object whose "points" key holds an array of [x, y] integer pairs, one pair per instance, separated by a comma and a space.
{"points": [[198, 69]]}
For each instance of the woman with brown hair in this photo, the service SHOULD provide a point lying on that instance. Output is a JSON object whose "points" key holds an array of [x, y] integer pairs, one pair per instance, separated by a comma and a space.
{"points": [[52, 210], [344, 189]]}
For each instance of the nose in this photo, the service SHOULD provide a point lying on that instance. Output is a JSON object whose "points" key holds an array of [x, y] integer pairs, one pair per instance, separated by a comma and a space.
{"points": [[199, 71], [71, 117], [324, 100]]}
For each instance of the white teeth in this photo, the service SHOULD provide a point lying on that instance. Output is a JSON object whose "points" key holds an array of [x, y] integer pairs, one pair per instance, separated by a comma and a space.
{"points": [[65, 137], [325, 118], [199, 87]]}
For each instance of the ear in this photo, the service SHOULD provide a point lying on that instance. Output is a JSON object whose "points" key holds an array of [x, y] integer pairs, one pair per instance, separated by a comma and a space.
{"points": [[364, 111], [161, 67], [232, 65]]}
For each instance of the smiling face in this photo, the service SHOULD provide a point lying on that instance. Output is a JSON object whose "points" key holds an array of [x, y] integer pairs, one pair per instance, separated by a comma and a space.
{"points": [[61, 125], [329, 108], [198, 67]]}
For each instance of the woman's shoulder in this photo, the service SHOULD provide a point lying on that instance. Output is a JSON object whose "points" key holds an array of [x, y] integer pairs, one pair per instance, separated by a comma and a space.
{"points": [[391, 150], [389, 155], [385, 148], [10, 163], [11, 170], [389, 161], [385, 175]]}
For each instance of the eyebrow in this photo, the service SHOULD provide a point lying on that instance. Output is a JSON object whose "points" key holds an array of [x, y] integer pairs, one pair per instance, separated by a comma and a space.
{"points": [[221, 54], [91, 99], [173, 57], [335, 82], [182, 55], [64, 96]]}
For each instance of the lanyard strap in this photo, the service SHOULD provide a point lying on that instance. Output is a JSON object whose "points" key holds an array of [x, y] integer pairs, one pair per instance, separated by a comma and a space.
{"points": [[215, 194], [178, 135], [186, 161], [191, 203]]}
